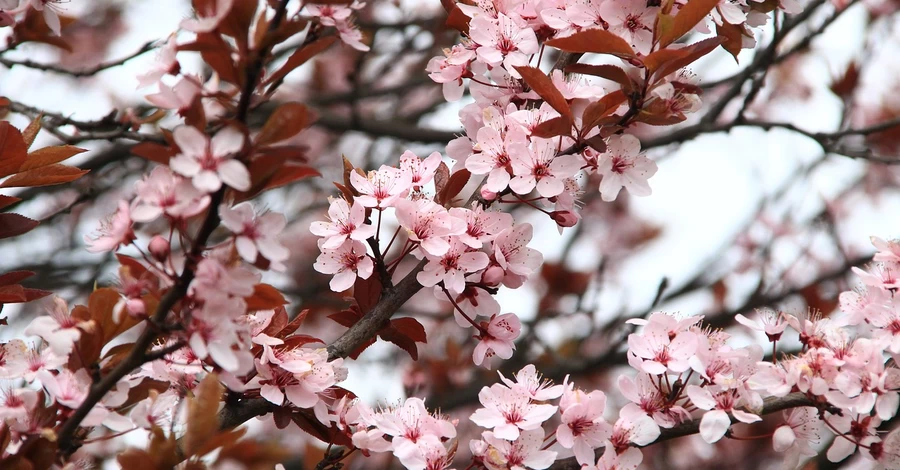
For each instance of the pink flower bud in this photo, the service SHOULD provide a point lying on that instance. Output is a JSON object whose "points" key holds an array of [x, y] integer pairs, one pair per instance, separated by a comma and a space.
{"points": [[564, 218], [487, 194], [136, 307], [159, 248], [493, 276]]}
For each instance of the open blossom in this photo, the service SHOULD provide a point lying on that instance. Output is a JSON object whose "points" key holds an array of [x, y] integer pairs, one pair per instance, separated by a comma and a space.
{"points": [[255, 234], [381, 189], [59, 328], [481, 226], [633, 21], [520, 454], [622, 165], [429, 224], [503, 41], [494, 157], [538, 166], [655, 350], [529, 380], [450, 69], [451, 267], [797, 435], [582, 427], [716, 421], [345, 221], [210, 162], [612, 460], [421, 171], [164, 64], [512, 254], [414, 431], [859, 430], [346, 262], [165, 193], [498, 338], [770, 322], [300, 376], [509, 410], [179, 97], [114, 232]]}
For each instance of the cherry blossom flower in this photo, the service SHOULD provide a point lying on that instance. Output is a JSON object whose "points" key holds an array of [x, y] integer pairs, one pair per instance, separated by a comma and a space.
{"points": [[473, 300], [162, 192], [582, 427], [421, 171], [210, 162], [429, 224], [17, 405], [50, 10], [539, 167], [451, 267], [510, 410], [770, 322], [59, 328], [633, 428], [656, 351], [156, 410], [512, 254], [502, 41], [164, 64], [381, 189], [497, 338], [888, 251], [450, 69], [522, 453], [256, 234], [208, 19], [494, 158], [481, 226], [715, 422], [114, 232], [630, 459], [300, 377], [633, 21], [648, 398], [345, 222], [529, 380], [329, 15], [213, 280], [623, 166], [179, 97], [797, 435], [410, 426], [854, 431], [346, 262]]}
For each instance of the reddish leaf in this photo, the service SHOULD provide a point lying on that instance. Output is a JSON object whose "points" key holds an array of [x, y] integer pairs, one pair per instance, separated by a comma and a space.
{"points": [[457, 182], [405, 333], [265, 297], [12, 294], [14, 277], [598, 41], [607, 71], [31, 132], [544, 87], [347, 317], [6, 201], [34, 294], [12, 225], [458, 20], [285, 122], [49, 155], [560, 125], [847, 83], [687, 17], [366, 292], [154, 152], [300, 56], [600, 109], [666, 61], [33, 28], [238, 20], [733, 36], [49, 175], [13, 150], [441, 176], [411, 328]]}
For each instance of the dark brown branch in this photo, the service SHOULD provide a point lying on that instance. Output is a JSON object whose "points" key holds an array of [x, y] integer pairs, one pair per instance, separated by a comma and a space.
{"points": [[10, 63], [400, 130]]}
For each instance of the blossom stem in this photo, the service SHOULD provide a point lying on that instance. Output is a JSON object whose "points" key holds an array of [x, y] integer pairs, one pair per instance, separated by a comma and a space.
{"points": [[487, 84], [461, 312]]}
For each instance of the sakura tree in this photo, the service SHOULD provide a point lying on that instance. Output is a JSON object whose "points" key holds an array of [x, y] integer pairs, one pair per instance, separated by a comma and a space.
{"points": [[433, 235]]}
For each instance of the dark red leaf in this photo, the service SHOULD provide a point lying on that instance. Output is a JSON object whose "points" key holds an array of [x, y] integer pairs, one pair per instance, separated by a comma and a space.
{"points": [[13, 150], [598, 41], [544, 87], [12, 225], [14, 277]]}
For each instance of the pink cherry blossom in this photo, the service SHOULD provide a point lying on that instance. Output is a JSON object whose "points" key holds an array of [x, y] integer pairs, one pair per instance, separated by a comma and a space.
{"points": [[481, 226], [421, 171], [450, 69], [854, 431], [381, 189], [797, 435], [411, 426], [520, 454], [164, 64], [179, 97], [512, 254], [633, 21], [451, 267], [213, 280], [509, 410], [497, 338], [538, 166], [164, 193], [582, 427], [256, 234], [656, 350], [623, 166], [210, 162], [770, 322], [345, 221], [503, 41], [716, 421], [59, 328], [303, 374], [494, 158], [429, 224], [630, 459], [473, 300], [529, 380], [114, 232], [345, 262]]}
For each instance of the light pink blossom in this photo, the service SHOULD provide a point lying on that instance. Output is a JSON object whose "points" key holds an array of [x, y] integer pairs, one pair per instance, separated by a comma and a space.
{"points": [[345, 221], [345, 262], [256, 234], [622, 165], [210, 162]]}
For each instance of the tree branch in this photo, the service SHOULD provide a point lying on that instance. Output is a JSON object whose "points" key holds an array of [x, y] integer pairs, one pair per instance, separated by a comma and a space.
{"points": [[10, 63]]}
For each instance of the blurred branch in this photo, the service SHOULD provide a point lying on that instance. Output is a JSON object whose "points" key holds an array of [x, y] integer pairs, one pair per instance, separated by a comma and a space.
{"points": [[11, 63], [106, 128]]}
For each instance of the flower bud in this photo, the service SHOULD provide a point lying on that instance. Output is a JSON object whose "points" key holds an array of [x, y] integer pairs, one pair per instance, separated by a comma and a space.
{"points": [[136, 307], [159, 248], [487, 194], [493, 276], [564, 218]]}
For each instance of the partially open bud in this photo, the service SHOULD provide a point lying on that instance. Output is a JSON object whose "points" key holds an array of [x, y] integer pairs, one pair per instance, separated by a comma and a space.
{"points": [[493, 276], [564, 218], [487, 194], [159, 248]]}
